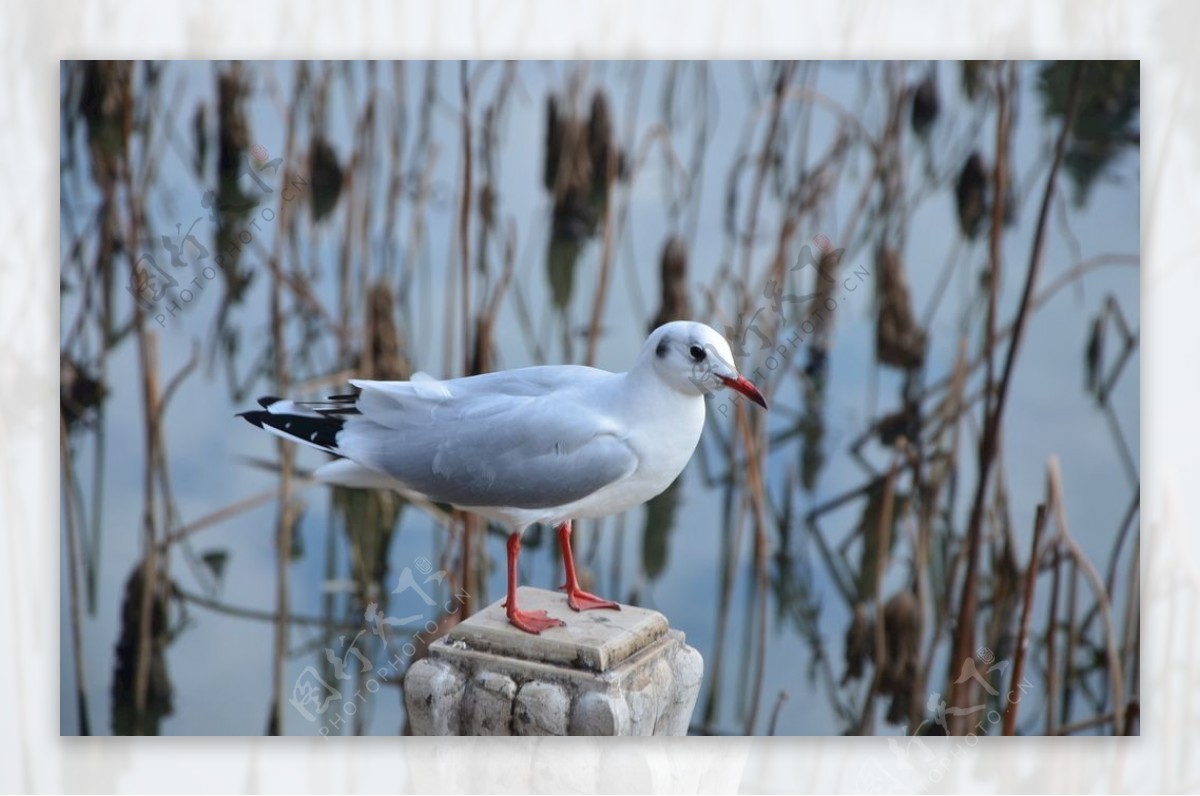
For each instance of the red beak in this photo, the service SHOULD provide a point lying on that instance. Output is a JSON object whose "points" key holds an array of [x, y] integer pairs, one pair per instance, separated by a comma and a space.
{"points": [[742, 385]]}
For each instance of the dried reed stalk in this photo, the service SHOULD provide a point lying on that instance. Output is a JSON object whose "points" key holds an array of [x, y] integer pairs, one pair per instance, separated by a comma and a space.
{"points": [[964, 633]]}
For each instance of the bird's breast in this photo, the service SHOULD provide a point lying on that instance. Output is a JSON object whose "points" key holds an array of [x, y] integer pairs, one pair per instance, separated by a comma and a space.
{"points": [[663, 448]]}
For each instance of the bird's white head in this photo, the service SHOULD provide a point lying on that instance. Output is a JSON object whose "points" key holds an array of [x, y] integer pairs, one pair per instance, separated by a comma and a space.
{"points": [[695, 360]]}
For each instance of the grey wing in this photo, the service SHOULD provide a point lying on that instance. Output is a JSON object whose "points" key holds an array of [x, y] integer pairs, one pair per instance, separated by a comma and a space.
{"points": [[509, 451]]}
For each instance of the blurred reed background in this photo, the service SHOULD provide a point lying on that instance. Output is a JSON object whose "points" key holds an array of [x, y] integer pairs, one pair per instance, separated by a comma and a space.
{"points": [[932, 267]]}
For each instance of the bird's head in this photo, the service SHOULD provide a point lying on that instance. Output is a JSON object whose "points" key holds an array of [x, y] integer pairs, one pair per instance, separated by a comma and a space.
{"points": [[694, 359]]}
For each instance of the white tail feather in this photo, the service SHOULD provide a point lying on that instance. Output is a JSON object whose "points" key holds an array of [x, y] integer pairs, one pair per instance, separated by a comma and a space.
{"points": [[344, 472]]}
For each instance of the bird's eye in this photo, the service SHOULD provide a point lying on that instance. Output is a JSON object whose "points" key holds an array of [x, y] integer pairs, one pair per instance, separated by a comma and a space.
{"points": [[697, 353]]}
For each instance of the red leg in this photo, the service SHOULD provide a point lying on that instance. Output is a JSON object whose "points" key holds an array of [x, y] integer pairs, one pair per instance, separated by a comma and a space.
{"points": [[529, 621], [577, 598]]}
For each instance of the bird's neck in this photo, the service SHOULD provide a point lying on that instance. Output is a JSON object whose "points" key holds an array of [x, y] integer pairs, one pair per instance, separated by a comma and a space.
{"points": [[644, 388]]}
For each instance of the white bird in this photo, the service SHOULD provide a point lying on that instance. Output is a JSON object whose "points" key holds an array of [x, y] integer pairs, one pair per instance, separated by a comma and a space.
{"points": [[542, 444]]}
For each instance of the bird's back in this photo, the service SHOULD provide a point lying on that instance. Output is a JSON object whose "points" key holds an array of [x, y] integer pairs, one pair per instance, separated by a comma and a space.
{"points": [[528, 438]]}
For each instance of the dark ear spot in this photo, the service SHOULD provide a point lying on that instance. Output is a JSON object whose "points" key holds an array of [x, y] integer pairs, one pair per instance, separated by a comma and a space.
{"points": [[662, 349]]}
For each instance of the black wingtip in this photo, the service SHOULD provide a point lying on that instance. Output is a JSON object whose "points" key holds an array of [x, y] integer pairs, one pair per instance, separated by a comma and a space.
{"points": [[253, 417], [317, 430], [266, 401]]}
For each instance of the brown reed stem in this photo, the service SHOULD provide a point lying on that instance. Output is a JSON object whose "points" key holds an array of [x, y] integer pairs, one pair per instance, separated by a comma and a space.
{"points": [[1080, 559], [603, 278], [255, 614], [1069, 674], [884, 541], [754, 482], [1031, 573], [285, 519], [464, 216], [72, 533], [1051, 641], [147, 360], [148, 351], [996, 238]]}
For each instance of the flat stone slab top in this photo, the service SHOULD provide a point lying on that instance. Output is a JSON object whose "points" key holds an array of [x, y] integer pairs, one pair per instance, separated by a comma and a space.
{"points": [[605, 672], [594, 641]]}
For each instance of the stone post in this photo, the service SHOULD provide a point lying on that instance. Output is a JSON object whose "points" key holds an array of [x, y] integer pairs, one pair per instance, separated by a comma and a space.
{"points": [[606, 673]]}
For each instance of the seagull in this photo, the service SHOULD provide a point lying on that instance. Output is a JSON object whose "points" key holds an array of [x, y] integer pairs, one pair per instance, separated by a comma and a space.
{"points": [[547, 444]]}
